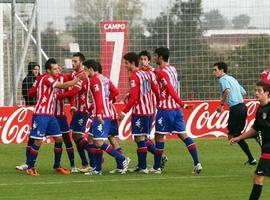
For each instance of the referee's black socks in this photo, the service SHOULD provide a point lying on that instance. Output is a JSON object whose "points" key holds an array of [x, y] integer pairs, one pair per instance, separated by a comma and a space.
{"points": [[256, 192]]}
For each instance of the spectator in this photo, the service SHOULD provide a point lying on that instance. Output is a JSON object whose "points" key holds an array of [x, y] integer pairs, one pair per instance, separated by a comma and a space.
{"points": [[33, 72]]}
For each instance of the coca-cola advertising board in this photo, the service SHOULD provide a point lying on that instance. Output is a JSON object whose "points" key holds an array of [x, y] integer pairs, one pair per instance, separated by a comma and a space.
{"points": [[202, 121]]}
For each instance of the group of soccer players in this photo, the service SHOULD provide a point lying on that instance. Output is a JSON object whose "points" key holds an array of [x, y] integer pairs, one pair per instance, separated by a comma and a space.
{"points": [[152, 97]]}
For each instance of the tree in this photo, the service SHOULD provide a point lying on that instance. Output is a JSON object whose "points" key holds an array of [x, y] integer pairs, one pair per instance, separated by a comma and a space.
{"points": [[96, 10], [213, 20], [241, 21]]}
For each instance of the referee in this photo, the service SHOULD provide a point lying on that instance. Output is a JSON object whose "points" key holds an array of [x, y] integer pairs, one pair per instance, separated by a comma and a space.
{"points": [[232, 93]]}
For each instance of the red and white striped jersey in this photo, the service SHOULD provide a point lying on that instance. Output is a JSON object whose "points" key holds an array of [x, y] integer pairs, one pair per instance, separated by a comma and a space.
{"points": [[99, 86], [60, 103], [82, 102], [140, 96], [46, 96], [154, 80], [168, 86], [113, 110]]}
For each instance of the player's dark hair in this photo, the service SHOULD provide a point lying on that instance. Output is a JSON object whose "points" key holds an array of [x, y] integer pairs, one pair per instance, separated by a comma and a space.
{"points": [[145, 53], [222, 65], [91, 64], [49, 62], [164, 52], [80, 55], [99, 68], [132, 57], [265, 86]]}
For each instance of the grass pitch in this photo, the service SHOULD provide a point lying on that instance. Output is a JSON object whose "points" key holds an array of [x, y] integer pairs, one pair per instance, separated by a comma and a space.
{"points": [[223, 177]]}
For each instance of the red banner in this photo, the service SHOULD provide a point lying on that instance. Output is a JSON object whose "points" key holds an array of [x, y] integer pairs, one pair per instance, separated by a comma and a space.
{"points": [[201, 121], [114, 41]]}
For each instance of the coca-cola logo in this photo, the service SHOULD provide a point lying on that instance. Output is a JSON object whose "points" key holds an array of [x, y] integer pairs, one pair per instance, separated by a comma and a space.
{"points": [[17, 126], [205, 121]]}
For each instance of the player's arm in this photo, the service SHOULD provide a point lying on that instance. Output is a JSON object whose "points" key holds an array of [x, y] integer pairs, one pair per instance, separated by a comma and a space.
{"points": [[133, 96], [242, 90], [32, 92], [67, 84], [165, 81], [223, 100], [95, 87], [113, 91], [154, 87], [69, 93], [249, 134]]}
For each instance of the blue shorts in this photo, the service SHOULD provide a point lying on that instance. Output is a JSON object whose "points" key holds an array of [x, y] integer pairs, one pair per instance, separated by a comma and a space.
{"points": [[141, 125], [62, 121], [100, 131], [170, 121], [114, 128], [43, 126], [78, 123]]}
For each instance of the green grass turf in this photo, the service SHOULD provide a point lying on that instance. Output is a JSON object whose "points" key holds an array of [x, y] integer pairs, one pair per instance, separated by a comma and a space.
{"points": [[223, 177]]}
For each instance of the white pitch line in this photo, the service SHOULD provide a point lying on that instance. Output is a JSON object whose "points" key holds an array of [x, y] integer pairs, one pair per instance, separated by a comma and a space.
{"points": [[119, 180]]}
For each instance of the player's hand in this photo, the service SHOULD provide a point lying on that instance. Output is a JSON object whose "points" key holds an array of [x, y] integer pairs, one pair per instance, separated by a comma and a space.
{"points": [[234, 140], [126, 98], [73, 110], [83, 75], [220, 109], [100, 120], [188, 106], [121, 116]]}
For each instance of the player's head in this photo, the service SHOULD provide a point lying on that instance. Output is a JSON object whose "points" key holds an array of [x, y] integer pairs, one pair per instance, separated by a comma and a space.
{"points": [[162, 54], [145, 58], [262, 91], [91, 67], [51, 67], [99, 68], [77, 61], [33, 69], [219, 69], [131, 60]]}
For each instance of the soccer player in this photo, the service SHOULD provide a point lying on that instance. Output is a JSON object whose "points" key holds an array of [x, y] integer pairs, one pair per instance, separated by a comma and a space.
{"points": [[114, 129], [144, 61], [80, 116], [232, 94], [99, 87], [59, 113], [262, 123], [169, 117], [142, 104], [44, 122]]}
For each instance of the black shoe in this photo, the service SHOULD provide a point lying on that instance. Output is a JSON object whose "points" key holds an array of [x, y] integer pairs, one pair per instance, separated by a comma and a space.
{"points": [[250, 162]]}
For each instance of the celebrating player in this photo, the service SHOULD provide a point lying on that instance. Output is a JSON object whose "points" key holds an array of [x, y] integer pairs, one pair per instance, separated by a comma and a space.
{"points": [[169, 117]]}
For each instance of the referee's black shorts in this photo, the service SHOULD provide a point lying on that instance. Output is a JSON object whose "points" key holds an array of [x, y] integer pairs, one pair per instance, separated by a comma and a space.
{"points": [[263, 168], [237, 119]]}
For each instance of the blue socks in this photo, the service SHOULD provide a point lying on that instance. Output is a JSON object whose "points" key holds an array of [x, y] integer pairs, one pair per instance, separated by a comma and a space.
{"points": [[57, 154], [192, 150], [141, 153], [159, 149]]}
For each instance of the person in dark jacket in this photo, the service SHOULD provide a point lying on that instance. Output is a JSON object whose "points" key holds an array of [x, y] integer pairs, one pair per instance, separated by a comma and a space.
{"points": [[33, 72]]}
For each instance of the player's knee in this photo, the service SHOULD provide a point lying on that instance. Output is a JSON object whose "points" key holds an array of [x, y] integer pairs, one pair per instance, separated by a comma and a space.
{"points": [[90, 139], [258, 180], [38, 142], [159, 137], [139, 138], [182, 136], [99, 143], [58, 139]]}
